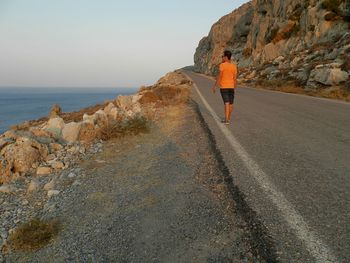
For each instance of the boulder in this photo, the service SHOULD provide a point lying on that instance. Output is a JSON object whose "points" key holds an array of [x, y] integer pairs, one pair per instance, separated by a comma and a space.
{"points": [[55, 126], [23, 154], [101, 118], [328, 76], [108, 108], [71, 131], [124, 102], [88, 132], [270, 52], [89, 118], [55, 111]]}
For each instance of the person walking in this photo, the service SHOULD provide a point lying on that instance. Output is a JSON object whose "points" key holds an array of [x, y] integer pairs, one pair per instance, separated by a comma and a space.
{"points": [[227, 81]]}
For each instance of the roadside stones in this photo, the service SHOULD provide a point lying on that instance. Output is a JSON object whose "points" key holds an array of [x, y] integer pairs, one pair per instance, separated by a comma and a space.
{"points": [[72, 175], [33, 186], [50, 185], [52, 193], [43, 170], [71, 131], [7, 189], [57, 165]]}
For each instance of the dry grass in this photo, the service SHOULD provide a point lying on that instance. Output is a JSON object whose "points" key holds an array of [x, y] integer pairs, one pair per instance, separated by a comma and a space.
{"points": [[339, 92], [172, 94], [133, 126], [247, 52], [33, 235]]}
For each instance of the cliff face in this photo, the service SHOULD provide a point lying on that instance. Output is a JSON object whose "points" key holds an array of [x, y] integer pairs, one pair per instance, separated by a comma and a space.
{"points": [[299, 38]]}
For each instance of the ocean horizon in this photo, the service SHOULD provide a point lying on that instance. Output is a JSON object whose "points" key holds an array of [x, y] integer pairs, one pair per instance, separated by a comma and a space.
{"points": [[19, 104]]}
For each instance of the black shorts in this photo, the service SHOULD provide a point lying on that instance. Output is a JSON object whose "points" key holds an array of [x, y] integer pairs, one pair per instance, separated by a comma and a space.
{"points": [[228, 95]]}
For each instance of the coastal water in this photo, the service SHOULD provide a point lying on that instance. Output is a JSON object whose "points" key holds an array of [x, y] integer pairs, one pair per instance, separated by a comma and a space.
{"points": [[20, 104]]}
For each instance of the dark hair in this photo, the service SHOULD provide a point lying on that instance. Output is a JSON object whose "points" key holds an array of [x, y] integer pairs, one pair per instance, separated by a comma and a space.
{"points": [[228, 54]]}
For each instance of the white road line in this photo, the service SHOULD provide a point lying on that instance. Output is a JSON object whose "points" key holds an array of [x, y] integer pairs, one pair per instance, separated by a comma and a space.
{"points": [[314, 245]]}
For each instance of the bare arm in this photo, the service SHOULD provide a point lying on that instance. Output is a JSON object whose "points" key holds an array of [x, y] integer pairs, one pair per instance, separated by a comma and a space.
{"points": [[218, 80]]}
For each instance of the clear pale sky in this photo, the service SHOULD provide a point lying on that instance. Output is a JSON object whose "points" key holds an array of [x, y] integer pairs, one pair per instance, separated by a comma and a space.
{"points": [[101, 43]]}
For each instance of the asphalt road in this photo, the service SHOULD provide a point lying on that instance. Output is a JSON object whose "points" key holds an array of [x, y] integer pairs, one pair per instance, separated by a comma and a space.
{"points": [[290, 156]]}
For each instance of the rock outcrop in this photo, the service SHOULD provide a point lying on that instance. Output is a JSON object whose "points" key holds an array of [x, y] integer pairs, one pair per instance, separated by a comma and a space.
{"points": [[283, 39]]}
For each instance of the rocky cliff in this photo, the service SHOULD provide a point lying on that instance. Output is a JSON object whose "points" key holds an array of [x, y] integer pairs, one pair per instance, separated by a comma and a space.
{"points": [[307, 41]]}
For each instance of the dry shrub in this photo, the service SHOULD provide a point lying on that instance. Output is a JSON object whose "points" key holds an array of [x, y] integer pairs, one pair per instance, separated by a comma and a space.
{"points": [[172, 94], [33, 235], [247, 52], [281, 85], [133, 126], [332, 5], [149, 97], [346, 65], [335, 93]]}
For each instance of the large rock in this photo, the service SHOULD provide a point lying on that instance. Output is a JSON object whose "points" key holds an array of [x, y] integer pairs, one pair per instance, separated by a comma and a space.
{"points": [[88, 133], [108, 108], [270, 52], [71, 131], [89, 118], [55, 126], [101, 118], [124, 102], [23, 154], [328, 76], [55, 111]]}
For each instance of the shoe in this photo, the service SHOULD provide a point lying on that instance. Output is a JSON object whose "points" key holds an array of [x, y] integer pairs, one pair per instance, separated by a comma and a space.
{"points": [[225, 121]]}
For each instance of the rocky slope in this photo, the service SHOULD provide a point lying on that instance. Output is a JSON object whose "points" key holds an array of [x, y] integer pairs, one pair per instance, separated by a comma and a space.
{"points": [[304, 41], [49, 146]]}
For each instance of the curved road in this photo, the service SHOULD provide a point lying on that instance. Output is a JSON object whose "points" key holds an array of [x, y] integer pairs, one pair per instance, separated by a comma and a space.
{"points": [[290, 156]]}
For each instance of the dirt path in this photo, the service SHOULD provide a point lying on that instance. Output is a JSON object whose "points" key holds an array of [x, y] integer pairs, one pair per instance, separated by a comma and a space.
{"points": [[156, 197]]}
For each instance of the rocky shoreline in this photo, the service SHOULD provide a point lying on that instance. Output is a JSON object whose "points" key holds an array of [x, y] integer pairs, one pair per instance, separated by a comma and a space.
{"points": [[39, 163]]}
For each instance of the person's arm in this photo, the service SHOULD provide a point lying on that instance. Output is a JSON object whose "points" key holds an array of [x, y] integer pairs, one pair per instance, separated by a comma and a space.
{"points": [[217, 82], [235, 76]]}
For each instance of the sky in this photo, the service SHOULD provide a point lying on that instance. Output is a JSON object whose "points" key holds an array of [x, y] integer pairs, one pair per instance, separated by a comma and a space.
{"points": [[101, 43]]}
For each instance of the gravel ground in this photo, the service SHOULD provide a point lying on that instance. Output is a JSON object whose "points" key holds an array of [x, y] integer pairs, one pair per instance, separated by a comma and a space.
{"points": [[164, 196]]}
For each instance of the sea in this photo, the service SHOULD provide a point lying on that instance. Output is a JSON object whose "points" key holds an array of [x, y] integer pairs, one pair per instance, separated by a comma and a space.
{"points": [[21, 104]]}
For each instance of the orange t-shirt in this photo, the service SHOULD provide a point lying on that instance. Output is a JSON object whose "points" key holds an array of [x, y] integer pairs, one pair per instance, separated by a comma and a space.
{"points": [[228, 73]]}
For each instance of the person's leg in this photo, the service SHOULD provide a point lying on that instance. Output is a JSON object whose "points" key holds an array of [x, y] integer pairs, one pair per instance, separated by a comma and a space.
{"points": [[230, 111], [227, 112]]}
